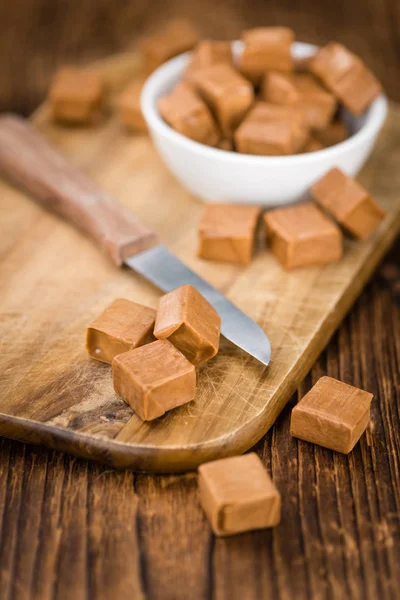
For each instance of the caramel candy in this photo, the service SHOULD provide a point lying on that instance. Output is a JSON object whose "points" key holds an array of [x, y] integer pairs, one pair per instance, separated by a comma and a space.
{"points": [[317, 103], [76, 96], [278, 88], [153, 379], [348, 202], [270, 129], [346, 76], [190, 323], [227, 93], [178, 36], [302, 91], [128, 106], [207, 53], [266, 48], [332, 414], [237, 495], [265, 138], [226, 232], [121, 326], [302, 235], [335, 133], [186, 112]]}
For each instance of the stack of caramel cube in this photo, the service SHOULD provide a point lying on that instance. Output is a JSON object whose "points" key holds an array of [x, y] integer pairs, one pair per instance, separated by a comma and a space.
{"points": [[154, 353], [262, 101]]}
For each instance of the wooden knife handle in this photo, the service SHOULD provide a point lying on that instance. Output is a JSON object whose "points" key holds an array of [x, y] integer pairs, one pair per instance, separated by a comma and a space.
{"points": [[27, 160]]}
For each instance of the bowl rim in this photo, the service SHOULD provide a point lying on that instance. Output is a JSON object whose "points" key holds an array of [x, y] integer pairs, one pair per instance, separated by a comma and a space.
{"points": [[374, 119]]}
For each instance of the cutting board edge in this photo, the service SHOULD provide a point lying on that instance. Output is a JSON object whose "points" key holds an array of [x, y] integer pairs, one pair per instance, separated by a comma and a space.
{"points": [[172, 459]]}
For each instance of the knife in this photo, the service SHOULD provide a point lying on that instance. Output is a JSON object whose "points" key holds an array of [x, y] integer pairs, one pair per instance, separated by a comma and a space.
{"points": [[27, 160]]}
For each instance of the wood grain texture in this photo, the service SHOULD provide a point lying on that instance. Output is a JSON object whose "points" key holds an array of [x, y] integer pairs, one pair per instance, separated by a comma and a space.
{"points": [[60, 283], [338, 540]]}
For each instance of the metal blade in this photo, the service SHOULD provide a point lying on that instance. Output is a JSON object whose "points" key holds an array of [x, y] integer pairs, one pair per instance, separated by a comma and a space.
{"points": [[167, 272]]}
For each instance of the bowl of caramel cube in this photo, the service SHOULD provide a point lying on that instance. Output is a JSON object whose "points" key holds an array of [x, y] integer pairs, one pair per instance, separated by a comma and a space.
{"points": [[260, 119]]}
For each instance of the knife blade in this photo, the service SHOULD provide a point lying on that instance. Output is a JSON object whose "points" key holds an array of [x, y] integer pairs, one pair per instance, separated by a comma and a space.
{"points": [[28, 161], [167, 272]]}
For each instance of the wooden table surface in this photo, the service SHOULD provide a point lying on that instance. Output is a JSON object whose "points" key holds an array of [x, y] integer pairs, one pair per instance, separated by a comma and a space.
{"points": [[70, 529]]}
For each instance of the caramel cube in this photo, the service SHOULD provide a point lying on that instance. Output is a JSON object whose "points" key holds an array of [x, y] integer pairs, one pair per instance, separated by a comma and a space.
{"points": [[206, 54], [346, 76], [348, 202], [153, 379], [317, 103], [238, 495], [332, 414], [128, 106], [76, 96], [227, 93], [335, 133], [186, 112], [178, 36], [272, 130], [278, 88], [265, 139], [302, 235], [226, 232], [190, 323], [121, 326], [302, 91], [266, 48]]}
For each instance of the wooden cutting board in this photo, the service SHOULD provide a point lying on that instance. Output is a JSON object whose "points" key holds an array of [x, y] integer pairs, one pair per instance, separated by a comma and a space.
{"points": [[54, 282]]}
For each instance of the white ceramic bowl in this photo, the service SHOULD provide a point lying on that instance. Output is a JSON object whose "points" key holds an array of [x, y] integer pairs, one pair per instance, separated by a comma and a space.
{"points": [[219, 176]]}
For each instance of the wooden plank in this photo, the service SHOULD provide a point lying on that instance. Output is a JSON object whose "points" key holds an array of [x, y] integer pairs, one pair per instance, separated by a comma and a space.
{"points": [[340, 531], [55, 282], [61, 540], [176, 543]]}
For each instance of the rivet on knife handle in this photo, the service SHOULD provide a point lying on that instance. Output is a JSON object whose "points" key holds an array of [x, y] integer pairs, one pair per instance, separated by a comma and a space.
{"points": [[27, 160]]}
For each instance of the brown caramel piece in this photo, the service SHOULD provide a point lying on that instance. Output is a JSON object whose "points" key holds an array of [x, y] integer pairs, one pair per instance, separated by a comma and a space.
{"points": [[346, 76], [226, 232], [266, 48], [277, 88], [273, 130], [265, 138], [76, 96], [190, 323], [312, 145], [153, 379], [227, 93], [206, 54], [317, 103], [237, 495], [263, 111], [302, 91], [302, 235], [333, 415], [186, 112], [178, 36], [348, 202], [335, 133], [128, 106], [121, 326]]}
